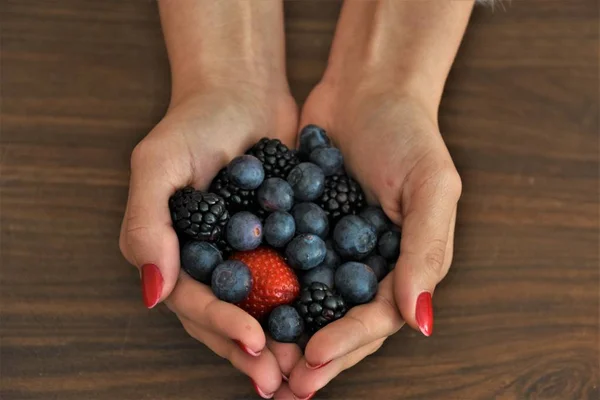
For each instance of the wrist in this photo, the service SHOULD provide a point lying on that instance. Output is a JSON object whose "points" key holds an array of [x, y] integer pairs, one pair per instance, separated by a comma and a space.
{"points": [[220, 44], [405, 47]]}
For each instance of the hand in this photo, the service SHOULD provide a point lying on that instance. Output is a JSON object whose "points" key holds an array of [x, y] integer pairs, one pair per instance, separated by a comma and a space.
{"points": [[378, 100], [200, 133]]}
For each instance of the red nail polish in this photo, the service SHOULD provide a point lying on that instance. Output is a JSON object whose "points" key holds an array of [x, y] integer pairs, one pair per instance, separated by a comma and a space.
{"points": [[316, 366], [152, 284], [310, 396], [247, 349], [260, 392], [424, 313]]}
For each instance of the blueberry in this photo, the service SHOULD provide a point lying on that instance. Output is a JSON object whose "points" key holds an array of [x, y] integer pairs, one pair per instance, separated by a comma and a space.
{"points": [[305, 251], [328, 158], [310, 218], [354, 237], [199, 259], [285, 324], [332, 259], [307, 181], [379, 265], [279, 228], [231, 281], [244, 231], [389, 245], [356, 282], [275, 194], [311, 137], [377, 218], [246, 172], [321, 273]]}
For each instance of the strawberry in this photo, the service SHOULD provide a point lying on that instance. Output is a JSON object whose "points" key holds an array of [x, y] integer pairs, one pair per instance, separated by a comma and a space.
{"points": [[274, 282]]}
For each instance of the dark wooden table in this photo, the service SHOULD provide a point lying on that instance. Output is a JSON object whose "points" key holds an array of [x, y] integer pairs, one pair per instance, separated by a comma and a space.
{"points": [[517, 318]]}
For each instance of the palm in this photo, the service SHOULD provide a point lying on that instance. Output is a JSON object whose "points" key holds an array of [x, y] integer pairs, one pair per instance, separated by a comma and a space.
{"points": [[392, 146]]}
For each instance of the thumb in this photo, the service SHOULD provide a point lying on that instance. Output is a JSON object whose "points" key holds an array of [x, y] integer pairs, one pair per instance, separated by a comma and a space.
{"points": [[147, 238], [426, 245]]}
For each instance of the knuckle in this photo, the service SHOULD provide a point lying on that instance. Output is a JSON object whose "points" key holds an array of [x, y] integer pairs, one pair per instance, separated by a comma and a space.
{"points": [[389, 313], [449, 177], [434, 258], [139, 154]]}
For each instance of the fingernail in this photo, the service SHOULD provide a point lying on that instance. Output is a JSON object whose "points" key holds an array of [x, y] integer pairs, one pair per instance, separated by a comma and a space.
{"points": [[424, 313], [152, 284], [310, 396], [309, 366], [247, 349], [260, 392], [285, 378]]}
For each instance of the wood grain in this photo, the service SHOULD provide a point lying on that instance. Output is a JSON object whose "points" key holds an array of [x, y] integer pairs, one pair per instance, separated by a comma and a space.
{"points": [[517, 318]]}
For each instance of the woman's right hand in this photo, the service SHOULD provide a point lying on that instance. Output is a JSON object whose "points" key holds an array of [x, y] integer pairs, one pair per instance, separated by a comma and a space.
{"points": [[199, 134]]}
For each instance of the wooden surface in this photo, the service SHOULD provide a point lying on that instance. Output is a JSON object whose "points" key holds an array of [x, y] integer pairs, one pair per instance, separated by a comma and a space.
{"points": [[517, 318]]}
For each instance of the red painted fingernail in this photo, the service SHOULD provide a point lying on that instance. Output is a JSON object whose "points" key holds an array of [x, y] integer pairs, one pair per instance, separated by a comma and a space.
{"points": [[310, 396], [152, 284], [247, 349], [424, 313], [316, 366], [260, 392]]}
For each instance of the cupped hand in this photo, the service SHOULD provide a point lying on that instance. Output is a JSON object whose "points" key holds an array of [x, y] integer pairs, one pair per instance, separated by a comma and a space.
{"points": [[199, 134], [392, 145]]}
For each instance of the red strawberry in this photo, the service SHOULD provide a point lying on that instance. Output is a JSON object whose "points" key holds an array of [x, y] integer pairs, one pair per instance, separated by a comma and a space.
{"points": [[274, 282]]}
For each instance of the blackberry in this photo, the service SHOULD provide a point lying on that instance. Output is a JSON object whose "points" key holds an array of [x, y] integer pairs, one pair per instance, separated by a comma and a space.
{"points": [[342, 196], [236, 199], [224, 247], [318, 305], [277, 158], [198, 215]]}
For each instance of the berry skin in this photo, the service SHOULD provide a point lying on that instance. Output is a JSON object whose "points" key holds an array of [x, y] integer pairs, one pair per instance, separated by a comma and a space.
{"points": [[311, 137], [356, 282], [328, 158], [231, 281], [279, 229], [198, 215], [377, 218], [275, 194], [199, 259], [307, 181], [320, 273], [379, 266], [236, 198], [354, 238], [285, 324], [319, 305], [332, 259], [246, 172], [389, 245], [305, 251], [274, 282], [277, 159], [244, 231], [342, 196], [310, 218]]}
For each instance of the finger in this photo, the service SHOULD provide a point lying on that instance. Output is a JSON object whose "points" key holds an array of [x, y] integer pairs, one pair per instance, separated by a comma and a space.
{"points": [[147, 239], [263, 370], [287, 355], [304, 382], [426, 231], [360, 326], [450, 245], [196, 302], [284, 392]]}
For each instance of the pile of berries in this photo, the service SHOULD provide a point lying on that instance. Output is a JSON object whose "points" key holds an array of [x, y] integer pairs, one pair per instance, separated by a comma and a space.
{"points": [[286, 235]]}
